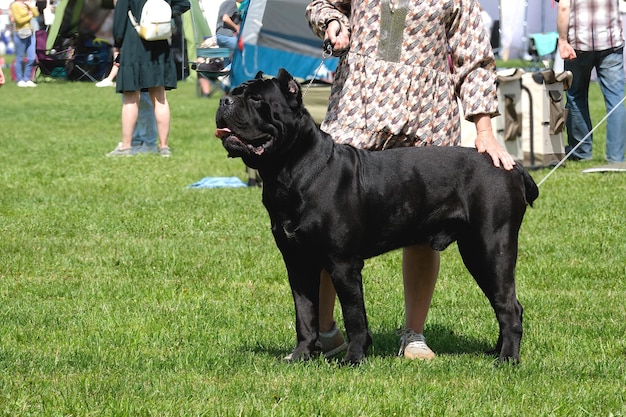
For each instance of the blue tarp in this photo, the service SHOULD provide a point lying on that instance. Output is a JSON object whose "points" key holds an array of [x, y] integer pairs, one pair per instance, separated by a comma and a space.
{"points": [[218, 182]]}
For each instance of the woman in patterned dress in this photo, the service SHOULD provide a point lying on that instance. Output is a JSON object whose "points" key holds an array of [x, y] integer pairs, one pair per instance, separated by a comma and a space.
{"points": [[407, 62]]}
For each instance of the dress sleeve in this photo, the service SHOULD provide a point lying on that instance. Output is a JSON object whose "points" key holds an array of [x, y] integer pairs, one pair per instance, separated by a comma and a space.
{"points": [[179, 7], [120, 20], [473, 62], [320, 12]]}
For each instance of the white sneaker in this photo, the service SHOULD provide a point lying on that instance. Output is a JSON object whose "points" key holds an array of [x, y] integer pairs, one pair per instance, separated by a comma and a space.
{"points": [[118, 151], [413, 346], [29, 83], [22, 84], [105, 83]]}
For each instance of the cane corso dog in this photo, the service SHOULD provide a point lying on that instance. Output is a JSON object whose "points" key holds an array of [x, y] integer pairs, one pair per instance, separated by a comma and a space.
{"points": [[333, 206]]}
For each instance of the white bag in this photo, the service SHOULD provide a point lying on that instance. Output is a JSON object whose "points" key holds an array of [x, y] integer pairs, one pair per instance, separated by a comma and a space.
{"points": [[156, 21], [48, 14]]}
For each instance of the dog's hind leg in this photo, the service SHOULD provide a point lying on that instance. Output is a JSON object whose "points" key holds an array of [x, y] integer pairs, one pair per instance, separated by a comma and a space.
{"points": [[348, 283], [491, 261]]}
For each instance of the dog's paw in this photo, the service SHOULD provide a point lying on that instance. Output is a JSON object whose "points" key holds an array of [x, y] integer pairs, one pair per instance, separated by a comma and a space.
{"points": [[300, 356], [502, 358], [353, 358]]}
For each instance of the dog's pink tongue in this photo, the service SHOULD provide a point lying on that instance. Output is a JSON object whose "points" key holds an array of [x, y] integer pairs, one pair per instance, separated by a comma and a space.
{"points": [[222, 133]]}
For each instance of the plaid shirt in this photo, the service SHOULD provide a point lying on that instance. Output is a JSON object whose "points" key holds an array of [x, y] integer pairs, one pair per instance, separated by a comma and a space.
{"points": [[595, 25]]}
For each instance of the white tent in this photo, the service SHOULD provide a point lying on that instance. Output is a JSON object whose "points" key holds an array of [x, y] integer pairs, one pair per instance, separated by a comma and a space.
{"points": [[519, 20]]}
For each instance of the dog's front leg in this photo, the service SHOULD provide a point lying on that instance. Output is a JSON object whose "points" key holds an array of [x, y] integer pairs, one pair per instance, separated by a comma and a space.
{"points": [[305, 282], [347, 280]]}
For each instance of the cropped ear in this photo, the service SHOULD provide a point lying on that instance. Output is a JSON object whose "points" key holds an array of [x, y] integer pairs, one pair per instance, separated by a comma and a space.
{"points": [[288, 85], [259, 75]]}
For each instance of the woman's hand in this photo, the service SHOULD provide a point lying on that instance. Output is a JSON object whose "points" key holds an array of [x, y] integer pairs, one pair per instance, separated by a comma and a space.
{"points": [[338, 35], [486, 142]]}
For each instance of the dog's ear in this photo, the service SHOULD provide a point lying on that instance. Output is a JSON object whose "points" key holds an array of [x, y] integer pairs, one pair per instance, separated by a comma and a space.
{"points": [[259, 75], [288, 85]]}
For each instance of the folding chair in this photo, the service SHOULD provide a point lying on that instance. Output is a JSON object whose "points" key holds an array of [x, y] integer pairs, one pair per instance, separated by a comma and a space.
{"points": [[92, 61], [51, 63], [541, 48]]}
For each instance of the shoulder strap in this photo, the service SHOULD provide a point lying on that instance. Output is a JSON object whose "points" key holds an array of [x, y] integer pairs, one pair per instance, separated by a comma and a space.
{"points": [[133, 21]]}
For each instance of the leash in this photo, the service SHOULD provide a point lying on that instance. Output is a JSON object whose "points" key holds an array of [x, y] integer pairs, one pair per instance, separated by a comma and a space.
{"points": [[327, 52], [562, 161]]}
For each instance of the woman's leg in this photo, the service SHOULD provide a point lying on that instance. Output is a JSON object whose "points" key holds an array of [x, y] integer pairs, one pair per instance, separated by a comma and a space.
{"points": [[161, 113], [20, 52], [420, 269], [130, 110], [327, 302], [31, 56]]}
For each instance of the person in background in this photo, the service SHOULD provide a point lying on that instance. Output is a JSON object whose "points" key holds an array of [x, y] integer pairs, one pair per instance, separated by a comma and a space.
{"points": [[205, 82], [487, 20], [1, 77], [21, 14], [393, 88], [109, 80], [145, 133], [227, 31], [227, 27], [590, 36], [143, 66], [41, 4]]}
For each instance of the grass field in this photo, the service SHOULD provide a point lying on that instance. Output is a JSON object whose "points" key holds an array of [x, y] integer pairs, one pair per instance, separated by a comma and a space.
{"points": [[125, 293]]}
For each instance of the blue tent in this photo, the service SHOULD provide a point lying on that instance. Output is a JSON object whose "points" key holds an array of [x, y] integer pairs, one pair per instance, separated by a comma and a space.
{"points": [[276, 35]]}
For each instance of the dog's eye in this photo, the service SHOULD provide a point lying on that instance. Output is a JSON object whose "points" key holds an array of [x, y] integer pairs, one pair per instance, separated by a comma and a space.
{"points": [[256, 97]]}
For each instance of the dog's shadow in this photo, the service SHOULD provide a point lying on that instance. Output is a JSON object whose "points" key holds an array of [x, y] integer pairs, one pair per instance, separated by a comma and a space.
{"points": [[442, 340]]}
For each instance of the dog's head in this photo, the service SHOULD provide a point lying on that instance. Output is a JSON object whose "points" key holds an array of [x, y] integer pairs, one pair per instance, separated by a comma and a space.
{"points": [[260, 119]]}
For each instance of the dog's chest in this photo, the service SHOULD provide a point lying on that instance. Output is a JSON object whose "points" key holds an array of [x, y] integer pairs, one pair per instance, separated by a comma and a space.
{"points": [[281, 211], [288, 230]]}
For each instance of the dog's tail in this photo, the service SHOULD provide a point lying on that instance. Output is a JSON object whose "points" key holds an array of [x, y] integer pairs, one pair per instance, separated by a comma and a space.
{"points": [[531, 191]]}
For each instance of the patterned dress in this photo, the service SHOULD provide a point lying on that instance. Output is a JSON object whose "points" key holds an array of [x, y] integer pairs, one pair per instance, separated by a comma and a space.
{"points": [[395, 87]]}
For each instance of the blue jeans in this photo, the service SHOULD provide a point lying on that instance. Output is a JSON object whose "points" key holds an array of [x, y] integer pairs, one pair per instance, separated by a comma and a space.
{"points": [[224, 41], [229, 42], [609, 67], [24, 48], [145, 130]]}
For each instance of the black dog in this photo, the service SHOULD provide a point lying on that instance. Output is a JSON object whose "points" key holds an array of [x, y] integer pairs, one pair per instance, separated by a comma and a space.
{"points": [[332, 206]]}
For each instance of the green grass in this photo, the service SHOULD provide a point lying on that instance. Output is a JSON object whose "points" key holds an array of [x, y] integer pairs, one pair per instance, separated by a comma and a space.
{"points": [[124, 293]]}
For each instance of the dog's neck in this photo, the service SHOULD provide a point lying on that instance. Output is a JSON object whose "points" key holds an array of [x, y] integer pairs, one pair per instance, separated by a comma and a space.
{"points": [[310, 139]]}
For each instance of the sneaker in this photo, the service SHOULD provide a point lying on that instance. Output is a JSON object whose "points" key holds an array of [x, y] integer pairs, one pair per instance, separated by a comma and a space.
{"points": [[332, 342], [413, 346], [22, 84], [145, 148], [29, 83], [574, 156], [105, 83], [118, 151], [165, 152]]}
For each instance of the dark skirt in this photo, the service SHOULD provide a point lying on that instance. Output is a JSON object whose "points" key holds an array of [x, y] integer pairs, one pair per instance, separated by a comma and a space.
{"points": [[145, 64]]}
